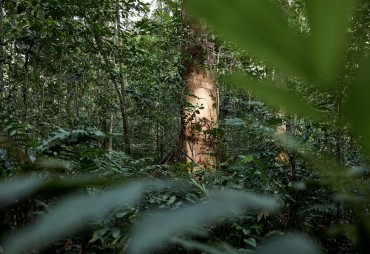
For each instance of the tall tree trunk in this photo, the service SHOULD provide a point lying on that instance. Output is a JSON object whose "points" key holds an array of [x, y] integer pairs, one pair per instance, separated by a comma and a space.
{"points": [[105, 115], [126, 133], [200, 107], [120, 88], [199, 119], [25, 88]]}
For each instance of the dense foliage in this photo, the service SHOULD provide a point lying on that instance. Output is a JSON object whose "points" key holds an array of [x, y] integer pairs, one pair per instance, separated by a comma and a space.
{"points": [[91, 94]]}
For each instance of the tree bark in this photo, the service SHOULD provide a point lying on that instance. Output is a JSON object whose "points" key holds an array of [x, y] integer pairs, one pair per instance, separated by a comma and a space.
{"points": [[107, 127], [126, 134], [199, 119], [200, 105], [121, 91]]}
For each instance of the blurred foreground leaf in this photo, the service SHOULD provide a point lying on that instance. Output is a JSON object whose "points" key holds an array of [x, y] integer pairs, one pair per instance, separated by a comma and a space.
{"points": [[15, 189], [329, 21], [339, 178], [147, 235], [275, 96], [260, 28], [290, 244], [359, 102], [72, 214]]}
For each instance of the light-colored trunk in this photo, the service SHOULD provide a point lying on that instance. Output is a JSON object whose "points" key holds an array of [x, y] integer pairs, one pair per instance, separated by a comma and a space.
{"points": [[283, 156], [200, 115]]}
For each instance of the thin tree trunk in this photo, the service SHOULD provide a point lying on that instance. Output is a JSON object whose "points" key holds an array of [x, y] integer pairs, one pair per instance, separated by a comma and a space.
{"points": [[25, 81], [69, 105], [107, 127], [121, 91], [42, 100], [2, 53], [126, 133]]}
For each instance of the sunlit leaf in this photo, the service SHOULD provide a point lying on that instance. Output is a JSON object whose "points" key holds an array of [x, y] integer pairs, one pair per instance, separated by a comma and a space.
{"points": [[260, 28], [146, 234]]}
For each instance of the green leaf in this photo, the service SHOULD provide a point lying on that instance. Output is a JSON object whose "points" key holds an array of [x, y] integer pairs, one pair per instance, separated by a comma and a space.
{"points": [[260, 28], [251, 241], [331, 172], [171, 200], [116, 232], [359, 102], [146, 234], [13, 132], [329, 21], [248, 158], [246, 231], [275, 96]]}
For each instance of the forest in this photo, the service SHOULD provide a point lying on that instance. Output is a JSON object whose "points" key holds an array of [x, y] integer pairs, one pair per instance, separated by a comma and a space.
{"points": [[184, 126]]}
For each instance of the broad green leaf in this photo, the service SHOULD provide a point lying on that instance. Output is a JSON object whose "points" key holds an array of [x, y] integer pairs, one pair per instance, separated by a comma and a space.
{"points": [[251, 241], [275, 96], [146, 234], [329, 20], [290, 244], [72, 214], [246, 158], [18, 188], [260, 28], [359, 102]]}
